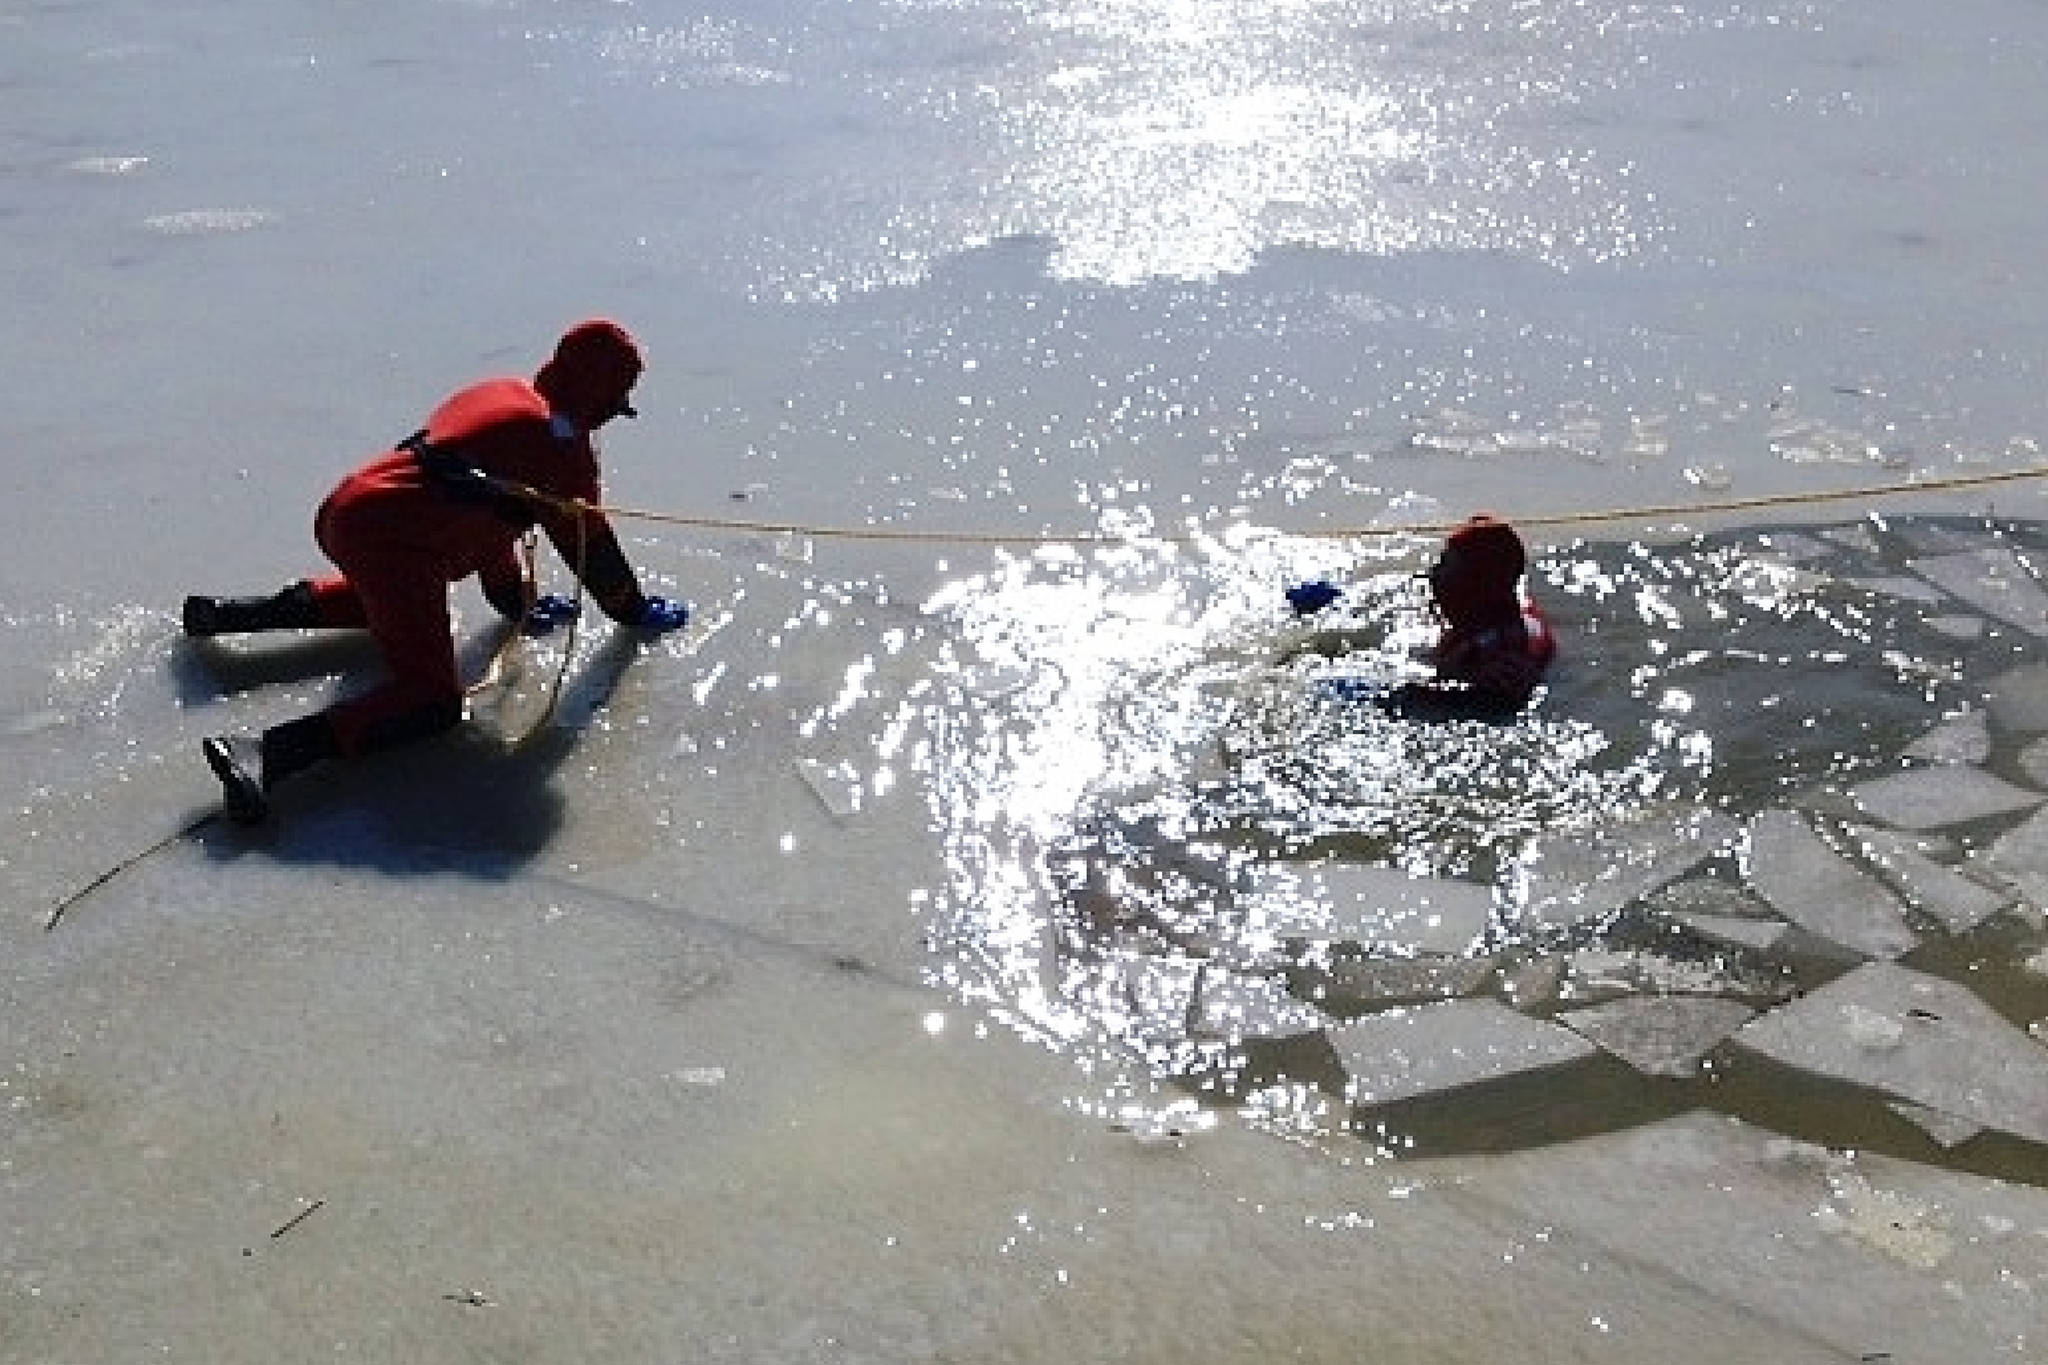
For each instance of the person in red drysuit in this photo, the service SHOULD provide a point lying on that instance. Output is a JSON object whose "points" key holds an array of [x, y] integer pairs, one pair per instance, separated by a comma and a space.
{"points": [[1495, 640], [445, 503], [1495, 646]]}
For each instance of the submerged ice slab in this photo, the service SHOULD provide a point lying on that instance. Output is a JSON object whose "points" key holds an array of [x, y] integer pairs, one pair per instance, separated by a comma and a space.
{"points": [[1792, 868], [1917, 1038], [1428, 1049], [2018, 698], [1930, 798], [1959, 739], [2019, 858], [1950, 1130], [1579, 876], [1958, 902], [1235, 1007], [1358, 903], [1659, 1035], [1994, 582], [1392, 980]]}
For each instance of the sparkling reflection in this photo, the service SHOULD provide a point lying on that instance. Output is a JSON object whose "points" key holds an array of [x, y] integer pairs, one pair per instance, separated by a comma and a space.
{"points": [[1180, 836]]}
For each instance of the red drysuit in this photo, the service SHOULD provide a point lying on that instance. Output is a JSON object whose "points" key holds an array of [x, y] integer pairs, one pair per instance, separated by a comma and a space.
{"points": [[400, 535]]}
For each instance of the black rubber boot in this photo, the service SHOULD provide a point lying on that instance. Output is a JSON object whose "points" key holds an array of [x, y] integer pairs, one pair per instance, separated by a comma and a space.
{"points": [[246, 778], [289, 608], [296, 746], [241, 793]]}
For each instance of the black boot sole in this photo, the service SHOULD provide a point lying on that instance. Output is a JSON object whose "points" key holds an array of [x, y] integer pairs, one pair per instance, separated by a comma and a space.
{"points": [[240, 793]]}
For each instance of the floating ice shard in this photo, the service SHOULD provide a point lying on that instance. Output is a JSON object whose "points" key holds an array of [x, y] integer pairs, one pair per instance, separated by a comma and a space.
{"points": [[1941, 1046], [1959, 739], [1956, 627], [1394, 980], [1721, 913], [836, 785], [2019, 858], [2018, 698], [1356, 903], [1602, 974], [1949, 1130], [1659, 1035], [1736, 931], [1908, 589], [1578, 876], [1994, 581], [1816, 889], [1428, 1049], [1234, 1007], [1958, 902], [1928, 798]]}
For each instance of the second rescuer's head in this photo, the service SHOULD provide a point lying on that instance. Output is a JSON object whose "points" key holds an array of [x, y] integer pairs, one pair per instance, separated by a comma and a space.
{"points": [[592, 372]]}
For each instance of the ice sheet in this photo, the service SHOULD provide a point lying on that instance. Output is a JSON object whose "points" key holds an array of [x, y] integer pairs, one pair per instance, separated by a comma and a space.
{"points": [[1918, 1038], [1428, 1049], [1931, 798], [1659, 1035], [1792, 868]]}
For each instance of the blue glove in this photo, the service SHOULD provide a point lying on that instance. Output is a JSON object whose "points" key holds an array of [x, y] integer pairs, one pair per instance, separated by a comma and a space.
{"points": [[1309, 598], [548, 611], [660, 614]]}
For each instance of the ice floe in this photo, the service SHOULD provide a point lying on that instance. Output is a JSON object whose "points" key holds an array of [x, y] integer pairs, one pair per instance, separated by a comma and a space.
{"points": [[1359, 903], [1659, 1035], [1992, 580], [1394, 980], [2018, 699], [2019, 858], [1602, 974], [1576, 876], [1930, 798], [1428, 1049], [1949, 1130], [1235, 1007], [1960, 903], [1917, 1038], [1959, 739], [1816, 888]]}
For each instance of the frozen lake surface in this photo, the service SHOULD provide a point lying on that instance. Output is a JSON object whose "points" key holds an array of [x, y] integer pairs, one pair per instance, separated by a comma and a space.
{"points": [[996, 929]]}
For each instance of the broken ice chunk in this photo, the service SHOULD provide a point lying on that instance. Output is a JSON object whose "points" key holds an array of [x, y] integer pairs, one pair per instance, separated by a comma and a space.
{"points": [[1579, 876], [1958, 902], [1956, 627], [2034, 762], [1940, 1046], [1959, 739], [1993, 581], [1234, 1007], [1393, 980], [1818, 890], [1429, 1049], [1659, 1035], [1950, 1130], [2018, 698], [1722, 913], [1736, 931], [836, 785], [1928, 798], [2019, 858], [1601, 974], [1909, 589], [1356, 903]]}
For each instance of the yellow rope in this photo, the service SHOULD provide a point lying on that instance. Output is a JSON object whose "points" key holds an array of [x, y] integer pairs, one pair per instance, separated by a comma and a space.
{"points": [[1586, 518]]}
